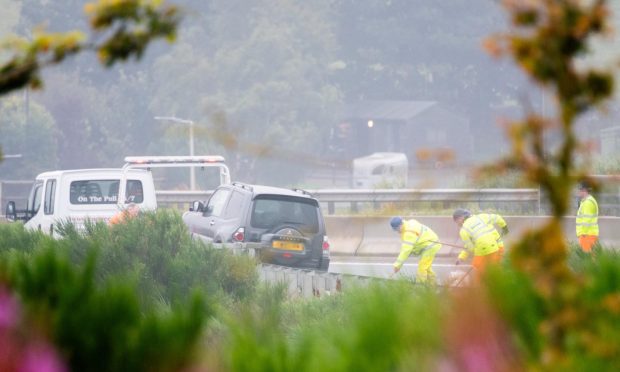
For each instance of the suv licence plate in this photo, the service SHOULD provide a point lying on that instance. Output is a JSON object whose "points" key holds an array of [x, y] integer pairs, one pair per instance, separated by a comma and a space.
{"points": [[278, 244]]}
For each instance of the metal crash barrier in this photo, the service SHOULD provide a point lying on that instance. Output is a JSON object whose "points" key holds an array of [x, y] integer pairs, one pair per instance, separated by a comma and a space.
{"points": [[356, 200], [299, 282]]}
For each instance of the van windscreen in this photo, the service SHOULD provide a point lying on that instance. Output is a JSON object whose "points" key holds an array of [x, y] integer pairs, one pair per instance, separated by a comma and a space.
{"points": [[86, 192]]}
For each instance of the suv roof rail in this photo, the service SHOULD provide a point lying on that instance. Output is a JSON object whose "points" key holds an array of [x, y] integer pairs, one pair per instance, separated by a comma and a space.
{"points": [[302, 191], [243, 185]]}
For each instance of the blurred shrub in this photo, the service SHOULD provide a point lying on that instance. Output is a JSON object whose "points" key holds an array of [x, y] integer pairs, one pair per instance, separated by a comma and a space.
{"points": [[100, 327], [14, 237], [111, 298], [156, 250], [386, 326], [593, 341]]}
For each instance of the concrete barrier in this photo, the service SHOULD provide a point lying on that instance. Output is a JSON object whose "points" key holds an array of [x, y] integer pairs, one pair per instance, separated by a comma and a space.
{"points": [[349, 234], [372, 236]]}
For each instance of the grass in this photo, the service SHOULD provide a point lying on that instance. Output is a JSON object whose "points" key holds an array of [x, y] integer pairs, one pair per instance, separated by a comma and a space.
{"points": [[143, 292]]}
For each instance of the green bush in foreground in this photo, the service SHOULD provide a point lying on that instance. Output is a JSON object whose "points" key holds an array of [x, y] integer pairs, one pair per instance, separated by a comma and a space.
{"points": [[101, 327], [400, 327], [156, 251], [387, 326], [129, 297]]}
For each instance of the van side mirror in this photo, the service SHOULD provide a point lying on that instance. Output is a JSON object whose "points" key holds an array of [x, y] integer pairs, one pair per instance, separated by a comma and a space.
{"points": [[11, 213], [196, 206]]}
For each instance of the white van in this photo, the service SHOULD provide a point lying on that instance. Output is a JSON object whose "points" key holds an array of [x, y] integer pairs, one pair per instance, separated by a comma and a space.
{"points": [[380, 170], [98, 194], [81, 194]]}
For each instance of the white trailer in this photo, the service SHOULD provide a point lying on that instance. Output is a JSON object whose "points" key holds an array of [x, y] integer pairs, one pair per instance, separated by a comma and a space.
{"points": [[380, 170]]}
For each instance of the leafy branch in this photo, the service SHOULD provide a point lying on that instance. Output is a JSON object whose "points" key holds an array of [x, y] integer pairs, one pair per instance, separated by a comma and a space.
{"points": [[547, 40], [126, 27]]}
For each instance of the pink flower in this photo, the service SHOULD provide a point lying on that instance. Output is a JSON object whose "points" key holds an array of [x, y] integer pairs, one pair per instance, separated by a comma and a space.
{"points": [[20, 348], [41, 357]]}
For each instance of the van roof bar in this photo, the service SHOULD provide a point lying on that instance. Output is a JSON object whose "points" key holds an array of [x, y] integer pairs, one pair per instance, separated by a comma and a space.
{"points": [[174, 159], [302, 191], [201, 161]]}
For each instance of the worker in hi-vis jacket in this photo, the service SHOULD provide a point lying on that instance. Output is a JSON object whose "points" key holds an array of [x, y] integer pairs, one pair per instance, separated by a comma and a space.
{"points": [[419, 240], [587, 218], [480, 237]]}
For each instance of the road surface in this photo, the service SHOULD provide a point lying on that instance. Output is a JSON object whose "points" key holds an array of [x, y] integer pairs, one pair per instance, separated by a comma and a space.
{"points": [[381, 267]]}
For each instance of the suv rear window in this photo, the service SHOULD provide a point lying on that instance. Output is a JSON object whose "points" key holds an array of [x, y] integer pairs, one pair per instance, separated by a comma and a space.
{"points": [[271, 212]]}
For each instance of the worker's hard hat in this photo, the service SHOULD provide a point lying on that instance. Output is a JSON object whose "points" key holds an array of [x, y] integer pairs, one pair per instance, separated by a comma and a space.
{"points": [[460, 212], [395, 222]]}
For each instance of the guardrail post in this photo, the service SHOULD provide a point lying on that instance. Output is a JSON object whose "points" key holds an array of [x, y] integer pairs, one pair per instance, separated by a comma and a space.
{"points": [[318, 285], [330, 207], [307, 289], [539, 203]]}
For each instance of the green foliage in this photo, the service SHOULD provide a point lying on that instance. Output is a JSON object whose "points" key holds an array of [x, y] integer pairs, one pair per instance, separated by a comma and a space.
{"points": [[516, 301], [547, 39], [262, 78], [390, 326], [132, 25], [122, 297], [13, 237], [156, 250], [593, 340], [100, 327], [396, 326]]}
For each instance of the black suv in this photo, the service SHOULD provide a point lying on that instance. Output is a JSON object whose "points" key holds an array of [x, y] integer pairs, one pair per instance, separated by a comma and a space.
{"points": [[288, 223]]}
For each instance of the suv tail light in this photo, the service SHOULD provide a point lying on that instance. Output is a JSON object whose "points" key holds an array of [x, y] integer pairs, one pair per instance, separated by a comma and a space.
{"points": [[239, 235], [325, 243]]}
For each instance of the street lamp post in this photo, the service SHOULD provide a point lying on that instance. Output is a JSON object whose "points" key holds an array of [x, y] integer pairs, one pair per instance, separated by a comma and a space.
{"points": [[190, 123]]}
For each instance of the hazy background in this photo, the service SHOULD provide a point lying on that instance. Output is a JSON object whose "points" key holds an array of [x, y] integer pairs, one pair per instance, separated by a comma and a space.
{"points": [[284, 89]]}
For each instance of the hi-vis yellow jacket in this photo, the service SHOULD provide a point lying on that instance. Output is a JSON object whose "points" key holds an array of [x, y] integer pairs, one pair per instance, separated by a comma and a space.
{"points": [[587, 217], [416, 239], [479, 237], [495, 220]]}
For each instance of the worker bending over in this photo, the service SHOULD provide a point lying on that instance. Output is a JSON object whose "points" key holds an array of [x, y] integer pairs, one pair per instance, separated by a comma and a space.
{"points": [[419, 240], [479, 237], [499, 224], [587, 218]]}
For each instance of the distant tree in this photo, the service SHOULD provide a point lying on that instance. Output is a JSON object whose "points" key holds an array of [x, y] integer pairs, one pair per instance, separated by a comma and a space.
{"points": [[31, 133], [91, 121], [416, 49], [427, 50], [261, 89], [122, 30]]}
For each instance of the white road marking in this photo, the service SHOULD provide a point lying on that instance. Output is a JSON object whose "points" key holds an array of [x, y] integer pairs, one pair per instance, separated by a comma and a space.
{"points": [[389, 264]]}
